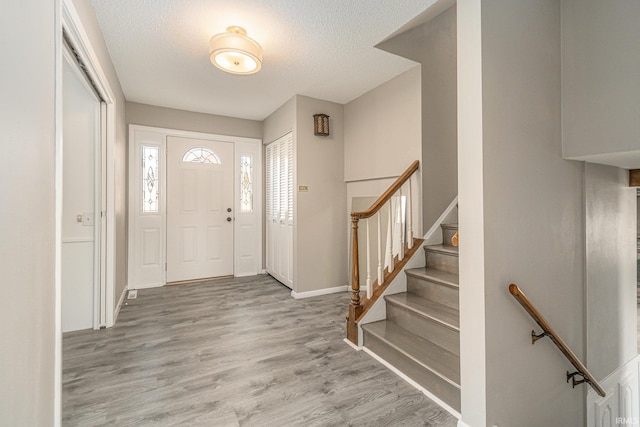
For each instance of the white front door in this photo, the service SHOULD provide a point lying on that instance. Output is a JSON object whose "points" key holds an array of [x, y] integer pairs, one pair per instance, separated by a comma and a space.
{"points": [[199, 209]]}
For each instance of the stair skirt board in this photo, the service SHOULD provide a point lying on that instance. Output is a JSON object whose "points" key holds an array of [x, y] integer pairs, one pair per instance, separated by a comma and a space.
{"points": [[434, 234], [317, 293], [414, 384]]}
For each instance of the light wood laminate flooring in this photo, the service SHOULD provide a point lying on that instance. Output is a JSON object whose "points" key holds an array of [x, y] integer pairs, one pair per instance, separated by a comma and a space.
{"points": [[232, 352]]}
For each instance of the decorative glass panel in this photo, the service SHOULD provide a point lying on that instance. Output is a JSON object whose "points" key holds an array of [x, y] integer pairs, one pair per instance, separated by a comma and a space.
{"points": [[201, 155], [150, 161], [246, 183]]}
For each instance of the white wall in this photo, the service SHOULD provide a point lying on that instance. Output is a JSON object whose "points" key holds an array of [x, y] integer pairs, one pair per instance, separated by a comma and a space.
{"points": [[27, 213], [87, 15], [610, 270], [170, 118], [384, 120], [600, 84], [471, 216]]}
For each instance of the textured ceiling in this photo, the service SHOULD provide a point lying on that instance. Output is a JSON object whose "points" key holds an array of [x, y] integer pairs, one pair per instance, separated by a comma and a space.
{"points": [[323, 49]]}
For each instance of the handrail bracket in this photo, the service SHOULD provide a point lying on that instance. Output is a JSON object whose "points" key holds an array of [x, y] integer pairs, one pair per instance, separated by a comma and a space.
{"points": [[535, 337], [574, 382]]}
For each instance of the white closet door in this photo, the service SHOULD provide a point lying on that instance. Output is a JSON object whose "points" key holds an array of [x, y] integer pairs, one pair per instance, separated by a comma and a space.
{"points": [[279, 221], [81, 130], [269, 161], [288, 216]]}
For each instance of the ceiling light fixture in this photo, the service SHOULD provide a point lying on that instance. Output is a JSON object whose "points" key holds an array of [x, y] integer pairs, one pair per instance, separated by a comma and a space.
{"points": [[234, 52]]}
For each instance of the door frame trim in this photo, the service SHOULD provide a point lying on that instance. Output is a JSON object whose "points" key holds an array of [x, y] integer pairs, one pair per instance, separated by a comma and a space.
{"points": [[163, 134], [76, 34], [68, 21]]}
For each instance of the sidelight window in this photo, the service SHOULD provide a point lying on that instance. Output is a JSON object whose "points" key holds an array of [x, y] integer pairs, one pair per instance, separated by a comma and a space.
{"points": [[246, 183], [150, 162]]}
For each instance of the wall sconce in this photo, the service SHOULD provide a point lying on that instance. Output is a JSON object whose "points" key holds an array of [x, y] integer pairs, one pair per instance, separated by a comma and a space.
{"points": [[321, 124]]}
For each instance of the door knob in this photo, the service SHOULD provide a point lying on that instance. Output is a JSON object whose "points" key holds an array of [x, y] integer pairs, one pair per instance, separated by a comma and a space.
{"points": [[228, 209], [228, 219]]}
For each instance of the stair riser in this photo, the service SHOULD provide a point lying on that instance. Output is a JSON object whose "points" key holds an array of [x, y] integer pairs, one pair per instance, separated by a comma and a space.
{"points": [[433, 291], [442, 262], [427, 328], [427, 379], [447, 234]]}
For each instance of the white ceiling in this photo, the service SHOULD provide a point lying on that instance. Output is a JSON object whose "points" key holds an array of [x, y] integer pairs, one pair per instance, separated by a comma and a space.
{"points": [[323, 49]]}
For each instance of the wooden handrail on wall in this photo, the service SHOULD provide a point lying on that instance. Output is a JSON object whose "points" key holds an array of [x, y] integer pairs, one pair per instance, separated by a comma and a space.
{"points": [[582, 370], [356, 308]]}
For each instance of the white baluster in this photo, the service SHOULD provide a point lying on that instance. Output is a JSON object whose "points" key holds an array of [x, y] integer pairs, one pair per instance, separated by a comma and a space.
{"points": [[380, 266], [369, 287], [409, 218], [390, 237], [402, 221]]}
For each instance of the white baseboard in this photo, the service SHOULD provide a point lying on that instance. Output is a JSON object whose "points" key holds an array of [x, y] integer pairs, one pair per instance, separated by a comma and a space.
{"points": [[325, 291], [149, 286], [462, 424], [119, 304], [352, 345], [424, 391]]}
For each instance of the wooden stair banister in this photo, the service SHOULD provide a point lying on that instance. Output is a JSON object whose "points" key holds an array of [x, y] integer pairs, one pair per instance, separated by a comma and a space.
{"points": [[377, 205], [356, 306], [564, 349]]}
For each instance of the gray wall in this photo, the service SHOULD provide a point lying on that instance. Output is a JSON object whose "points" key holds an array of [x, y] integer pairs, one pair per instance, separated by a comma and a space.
{"points": [[600, 80], [170, 118], [611, 269], [534, 220], [321, 243], [433, 44], [90, 24], [383, 119], [529, 217], [27, 213], [280, 122]]}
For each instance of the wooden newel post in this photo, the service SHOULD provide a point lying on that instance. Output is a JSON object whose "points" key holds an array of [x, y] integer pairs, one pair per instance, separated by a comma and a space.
{"points": [[355, 309]]}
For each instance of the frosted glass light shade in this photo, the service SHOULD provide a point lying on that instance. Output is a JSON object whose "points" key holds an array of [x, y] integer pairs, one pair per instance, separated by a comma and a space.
{"points": [[234, 52]]}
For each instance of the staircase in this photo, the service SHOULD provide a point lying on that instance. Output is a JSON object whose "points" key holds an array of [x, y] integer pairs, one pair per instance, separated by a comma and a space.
{"points": [[421, 334]]}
